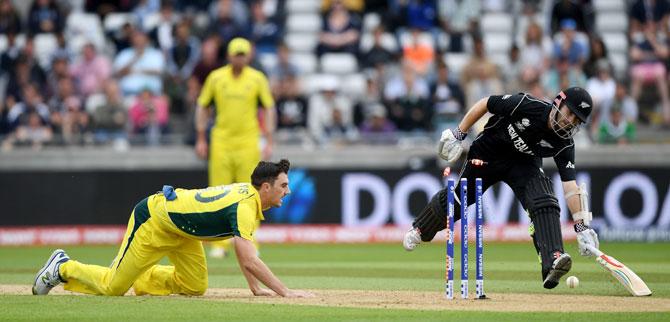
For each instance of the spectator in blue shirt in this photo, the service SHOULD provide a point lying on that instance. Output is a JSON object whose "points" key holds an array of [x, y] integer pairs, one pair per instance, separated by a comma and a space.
{"points": [[264, 31], [569, 48]]}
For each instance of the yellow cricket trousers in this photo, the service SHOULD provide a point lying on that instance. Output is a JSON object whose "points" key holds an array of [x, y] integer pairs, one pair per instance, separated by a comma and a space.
{"points": [[147, 240], [228, 166]]}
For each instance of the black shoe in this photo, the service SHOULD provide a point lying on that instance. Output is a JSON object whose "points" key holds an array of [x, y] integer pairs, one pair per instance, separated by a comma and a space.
{"points": [[561, 266]]}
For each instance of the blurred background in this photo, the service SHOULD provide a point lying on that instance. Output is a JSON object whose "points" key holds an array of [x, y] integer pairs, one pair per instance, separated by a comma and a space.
{"points": [[362, 89]]}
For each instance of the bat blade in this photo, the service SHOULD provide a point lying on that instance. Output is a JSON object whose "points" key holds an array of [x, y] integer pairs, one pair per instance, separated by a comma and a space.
{"points": [[633, 283]]}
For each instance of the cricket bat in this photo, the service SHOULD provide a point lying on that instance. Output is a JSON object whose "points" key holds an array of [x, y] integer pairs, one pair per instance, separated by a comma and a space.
{"points": [[633, 283]]}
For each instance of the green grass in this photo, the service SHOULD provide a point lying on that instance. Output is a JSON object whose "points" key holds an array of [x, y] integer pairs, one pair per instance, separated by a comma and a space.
{"points": [[509, 267]]}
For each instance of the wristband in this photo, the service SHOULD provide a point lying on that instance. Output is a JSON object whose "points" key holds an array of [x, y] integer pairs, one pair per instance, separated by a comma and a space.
{"points": [[580, 227], [458, 134]]}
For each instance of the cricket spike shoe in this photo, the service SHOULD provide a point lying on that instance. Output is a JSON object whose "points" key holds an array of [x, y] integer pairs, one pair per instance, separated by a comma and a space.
{"points": [[412, 239], [48, 277], [561, 266]]}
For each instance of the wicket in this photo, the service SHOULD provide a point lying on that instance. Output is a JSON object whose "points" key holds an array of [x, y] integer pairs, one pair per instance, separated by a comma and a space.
{"points": [[479, 237]]}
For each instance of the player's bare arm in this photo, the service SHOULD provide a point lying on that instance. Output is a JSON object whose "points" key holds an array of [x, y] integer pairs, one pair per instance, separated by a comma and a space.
{"points": [[450, 147], [473, 115], [201, 119], [270, 117], [251, 264]]}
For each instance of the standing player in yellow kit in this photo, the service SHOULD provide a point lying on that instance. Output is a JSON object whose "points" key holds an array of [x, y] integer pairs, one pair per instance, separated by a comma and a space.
{"points": [[173, 223], [236, 90]]}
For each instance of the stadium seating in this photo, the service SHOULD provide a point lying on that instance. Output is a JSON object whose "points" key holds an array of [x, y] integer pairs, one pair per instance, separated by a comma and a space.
{"points": [[336, 63]]}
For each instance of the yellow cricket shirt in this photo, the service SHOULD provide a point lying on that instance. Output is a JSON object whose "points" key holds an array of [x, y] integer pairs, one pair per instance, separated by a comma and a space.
{"points": [[236, 101], [213, 213]]}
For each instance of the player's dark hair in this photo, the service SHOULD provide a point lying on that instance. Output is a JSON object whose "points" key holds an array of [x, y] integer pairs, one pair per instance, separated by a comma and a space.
{"points": [[269, 171]]}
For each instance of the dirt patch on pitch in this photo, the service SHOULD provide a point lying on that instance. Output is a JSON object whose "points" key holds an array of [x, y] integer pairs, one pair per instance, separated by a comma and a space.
{"points": [[418, 300]]}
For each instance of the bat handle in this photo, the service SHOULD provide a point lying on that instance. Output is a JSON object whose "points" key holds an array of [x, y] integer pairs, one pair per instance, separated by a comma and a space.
{"points": [[594, 251]]}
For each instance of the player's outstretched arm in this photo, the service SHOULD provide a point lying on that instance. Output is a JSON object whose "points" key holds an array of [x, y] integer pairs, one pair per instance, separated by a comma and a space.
{"points": [[474, 114], [577, 200], [255, 270]]}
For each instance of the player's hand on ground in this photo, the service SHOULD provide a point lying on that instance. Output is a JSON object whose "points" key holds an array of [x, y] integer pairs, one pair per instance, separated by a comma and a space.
{"points": [[264, 292], [299, 293], [587, 237], [201, 149], [450, 147]]}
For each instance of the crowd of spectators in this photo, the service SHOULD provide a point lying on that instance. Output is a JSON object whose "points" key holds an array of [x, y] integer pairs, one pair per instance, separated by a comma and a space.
{"points": [[140, 83]]}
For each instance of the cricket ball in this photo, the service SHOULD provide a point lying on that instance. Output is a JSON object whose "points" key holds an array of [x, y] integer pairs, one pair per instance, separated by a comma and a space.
{"points": [[572, 281]]}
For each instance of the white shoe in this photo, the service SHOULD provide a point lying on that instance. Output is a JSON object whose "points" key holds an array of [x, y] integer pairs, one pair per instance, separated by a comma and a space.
{"points": [[412, 239], [48, 277], [217, 252]]}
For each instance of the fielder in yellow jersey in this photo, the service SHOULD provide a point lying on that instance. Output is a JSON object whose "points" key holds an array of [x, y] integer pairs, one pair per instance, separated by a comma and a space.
{"points": [[173, 223], [234, 146], [236, 90]]}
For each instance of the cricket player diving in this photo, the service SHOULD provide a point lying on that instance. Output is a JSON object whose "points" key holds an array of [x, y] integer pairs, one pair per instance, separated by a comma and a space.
{"points": [[521, 132], [173, 223]]}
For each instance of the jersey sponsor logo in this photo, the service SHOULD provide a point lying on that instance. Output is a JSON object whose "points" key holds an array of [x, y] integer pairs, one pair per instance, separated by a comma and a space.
{"points": [[199, 197], [584, 105], [506, 96], [523, 124], [518, 142], [570, 165]]}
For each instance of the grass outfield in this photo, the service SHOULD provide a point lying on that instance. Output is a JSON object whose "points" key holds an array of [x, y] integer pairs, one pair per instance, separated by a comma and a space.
{"points": [[509, 268]]}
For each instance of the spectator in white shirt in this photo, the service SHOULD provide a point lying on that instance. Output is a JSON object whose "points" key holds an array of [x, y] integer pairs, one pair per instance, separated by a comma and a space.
{"points": [[140, 66]]}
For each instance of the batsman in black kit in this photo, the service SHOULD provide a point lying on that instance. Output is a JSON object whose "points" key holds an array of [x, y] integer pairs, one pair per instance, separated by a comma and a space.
{"points": [[522, 131]]}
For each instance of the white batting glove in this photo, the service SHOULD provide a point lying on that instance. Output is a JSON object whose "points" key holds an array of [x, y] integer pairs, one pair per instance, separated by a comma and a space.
{"points": [[450, 147], [586, 236]]}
